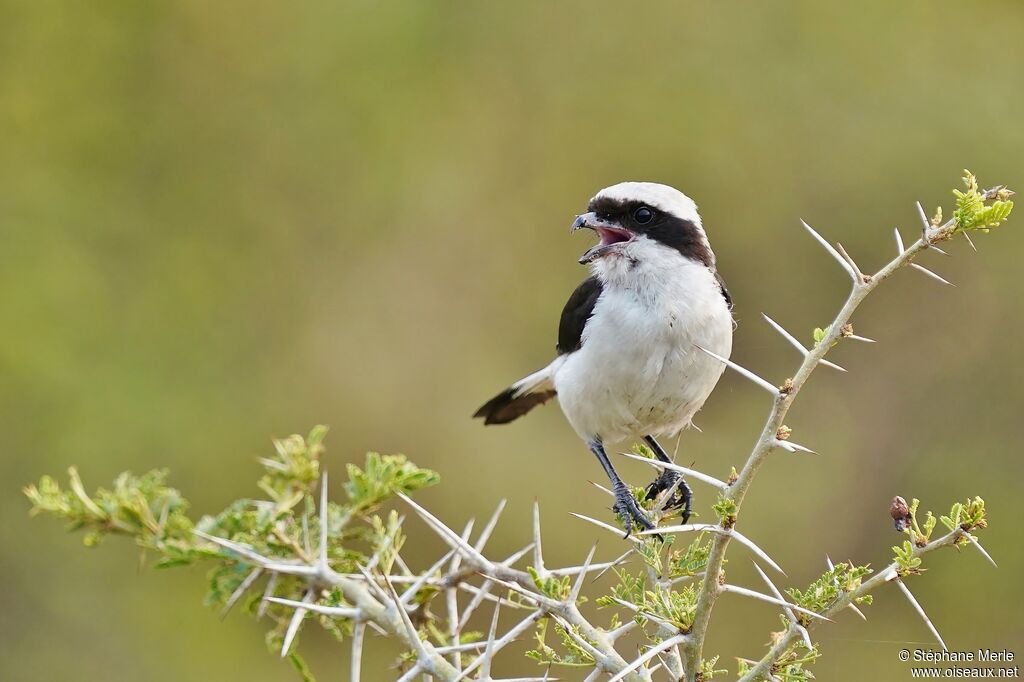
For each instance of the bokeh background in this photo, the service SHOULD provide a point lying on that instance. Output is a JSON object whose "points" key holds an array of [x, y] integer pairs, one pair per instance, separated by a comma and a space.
{"points": [[226, 222]]}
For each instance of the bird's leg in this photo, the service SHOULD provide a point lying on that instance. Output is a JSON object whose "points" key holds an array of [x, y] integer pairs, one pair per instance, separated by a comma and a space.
{"points": [[668, 479], [625, 503]]}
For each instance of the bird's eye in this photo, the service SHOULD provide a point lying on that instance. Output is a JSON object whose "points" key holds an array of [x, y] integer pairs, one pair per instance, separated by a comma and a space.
{"points": [[643, 215]]}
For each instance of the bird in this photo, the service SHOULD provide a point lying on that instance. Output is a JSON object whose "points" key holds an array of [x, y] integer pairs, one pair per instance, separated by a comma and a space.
{"points": [[629, 361]]}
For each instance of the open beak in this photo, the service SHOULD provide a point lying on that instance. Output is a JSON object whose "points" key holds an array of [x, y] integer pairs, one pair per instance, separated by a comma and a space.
{"points": [[612, 236]]}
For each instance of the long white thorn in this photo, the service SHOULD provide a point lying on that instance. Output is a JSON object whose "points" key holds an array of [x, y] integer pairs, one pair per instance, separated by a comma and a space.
{"points": [[377, 590], [477, 599], [611, 564], [592, 568], [766, 385], [292, 569], [601, 524], [447, 534], [583, 643], [410, 629], [488, 656], [692, 473], [650, 653], [862, 339], [508, 637], [899, 241], [418, 584], [474, 590], [649, 616], [796, 344], [411, 674], [790, 446], [970, 241], [981, 549], [242, 550], [485, 534], [538, 553], [322, 559], [826, 363], [271, 586], [852, 263], [832, 252], [452, 603], [243, 587], [470, 646], [296, 621], [786, 335], [735, 589], [938, 278], [517, 555], [578, 585], [806, 636], [334, 611], [357, 650], [920, 612], [925, 223], [535, 598], [288, 568], [623, 629], [732, 532], [457, 558]]}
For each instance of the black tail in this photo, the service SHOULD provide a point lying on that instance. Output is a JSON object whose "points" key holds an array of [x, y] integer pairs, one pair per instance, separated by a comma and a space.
{"points": [[511, 404]]}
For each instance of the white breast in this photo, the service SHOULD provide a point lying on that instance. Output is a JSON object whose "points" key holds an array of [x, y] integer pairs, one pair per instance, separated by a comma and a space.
{"points": [[638, 371]]}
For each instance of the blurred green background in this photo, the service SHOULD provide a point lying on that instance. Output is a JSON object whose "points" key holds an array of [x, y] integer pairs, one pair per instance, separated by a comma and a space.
{"points": [[225, 222]]}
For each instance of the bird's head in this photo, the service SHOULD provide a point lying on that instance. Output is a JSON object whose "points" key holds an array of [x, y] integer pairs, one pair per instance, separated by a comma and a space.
{"points": [[637, 221]]}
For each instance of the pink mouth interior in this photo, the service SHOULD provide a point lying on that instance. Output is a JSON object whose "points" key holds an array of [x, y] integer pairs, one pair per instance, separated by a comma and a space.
{"points": [[611, 236]]}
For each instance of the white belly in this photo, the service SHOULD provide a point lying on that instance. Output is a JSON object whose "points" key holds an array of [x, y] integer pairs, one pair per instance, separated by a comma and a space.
{"points": [[638, 371]]}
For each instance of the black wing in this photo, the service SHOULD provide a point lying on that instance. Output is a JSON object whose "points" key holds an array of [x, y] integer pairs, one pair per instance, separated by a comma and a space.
{"points": [[509, 405], [575, 314], [725, 291]]}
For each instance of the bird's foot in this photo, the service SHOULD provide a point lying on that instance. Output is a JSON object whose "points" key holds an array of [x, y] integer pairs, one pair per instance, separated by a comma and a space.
{"points": [[682, 498], [629, 511]]}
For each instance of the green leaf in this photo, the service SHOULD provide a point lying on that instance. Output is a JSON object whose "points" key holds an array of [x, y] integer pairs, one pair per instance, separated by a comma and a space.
{"points": [[285, 526], [552, 586], [383, 477], [972, 213], [825, 591], [726, 509]]}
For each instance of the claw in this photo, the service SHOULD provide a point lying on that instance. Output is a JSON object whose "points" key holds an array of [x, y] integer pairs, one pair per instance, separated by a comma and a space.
{"points": [[629, 511], [683, 497]]}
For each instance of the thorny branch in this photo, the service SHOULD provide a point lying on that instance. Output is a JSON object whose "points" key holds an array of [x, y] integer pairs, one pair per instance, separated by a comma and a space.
{"points": [[355, 578], [784, 396]]}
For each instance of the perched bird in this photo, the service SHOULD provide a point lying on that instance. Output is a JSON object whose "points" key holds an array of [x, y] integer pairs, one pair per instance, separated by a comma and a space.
{"points": [[628, 366]]}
